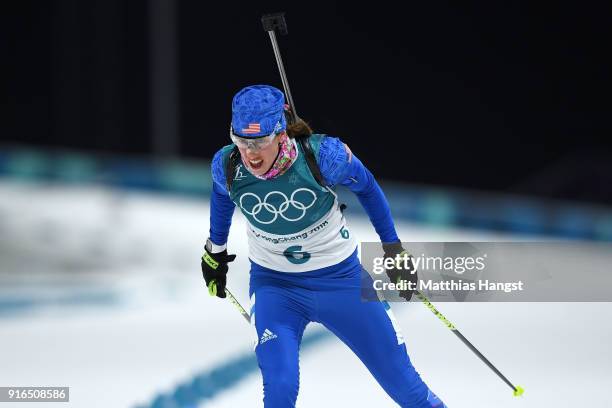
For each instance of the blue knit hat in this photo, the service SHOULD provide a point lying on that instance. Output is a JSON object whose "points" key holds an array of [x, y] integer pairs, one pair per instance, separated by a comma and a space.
{"points": [[258, 110]]}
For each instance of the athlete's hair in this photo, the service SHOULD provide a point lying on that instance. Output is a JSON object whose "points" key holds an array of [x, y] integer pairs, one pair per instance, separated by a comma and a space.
{"points": [[299, 129]]}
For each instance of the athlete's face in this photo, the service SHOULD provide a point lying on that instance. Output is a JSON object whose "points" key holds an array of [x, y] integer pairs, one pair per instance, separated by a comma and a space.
{"points": [[259, 161]]}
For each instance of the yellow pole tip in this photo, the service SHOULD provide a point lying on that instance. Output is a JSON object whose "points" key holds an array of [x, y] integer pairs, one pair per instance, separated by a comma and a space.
{"points": [[518, 391]]}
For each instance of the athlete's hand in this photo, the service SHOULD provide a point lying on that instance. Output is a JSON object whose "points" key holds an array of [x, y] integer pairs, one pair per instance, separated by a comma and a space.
{"points": [[403, 270], [214, 269]]}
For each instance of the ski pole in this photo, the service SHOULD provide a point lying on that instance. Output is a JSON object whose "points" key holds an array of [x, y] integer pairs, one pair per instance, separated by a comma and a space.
{"points": [[271, 23], [518, 391], [237, 305]]}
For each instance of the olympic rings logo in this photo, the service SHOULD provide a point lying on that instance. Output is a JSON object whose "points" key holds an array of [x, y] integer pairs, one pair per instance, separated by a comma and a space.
{"points": [[284, 206]]}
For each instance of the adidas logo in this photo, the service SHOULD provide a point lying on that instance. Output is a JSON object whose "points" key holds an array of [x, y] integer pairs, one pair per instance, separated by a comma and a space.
{"points": [[267, 335]]}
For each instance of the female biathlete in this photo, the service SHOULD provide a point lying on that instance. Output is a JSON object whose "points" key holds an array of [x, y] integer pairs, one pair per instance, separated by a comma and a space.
{"points": [[304, 263]]}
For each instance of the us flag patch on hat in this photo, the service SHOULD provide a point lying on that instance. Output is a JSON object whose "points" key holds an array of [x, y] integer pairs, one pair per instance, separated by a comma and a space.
{"points": [[252, 128]]}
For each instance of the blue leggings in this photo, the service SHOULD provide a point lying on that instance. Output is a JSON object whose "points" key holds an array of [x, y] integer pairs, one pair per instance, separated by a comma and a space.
{"points": [[284, 303]]}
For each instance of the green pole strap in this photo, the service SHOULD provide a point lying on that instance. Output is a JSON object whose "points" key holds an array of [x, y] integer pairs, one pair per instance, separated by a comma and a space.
{"points": [[212, 288]]}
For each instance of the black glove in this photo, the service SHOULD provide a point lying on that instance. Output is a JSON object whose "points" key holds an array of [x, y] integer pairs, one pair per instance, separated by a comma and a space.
{"points": [[214, 269], [404, 271]]}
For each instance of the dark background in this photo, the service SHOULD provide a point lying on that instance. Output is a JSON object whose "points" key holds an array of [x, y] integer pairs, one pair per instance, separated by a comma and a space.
{"points": [[507, 97]]}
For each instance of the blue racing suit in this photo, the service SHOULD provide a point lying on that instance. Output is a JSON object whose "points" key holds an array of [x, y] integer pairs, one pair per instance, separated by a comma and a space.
{"points": [[305, 268]]}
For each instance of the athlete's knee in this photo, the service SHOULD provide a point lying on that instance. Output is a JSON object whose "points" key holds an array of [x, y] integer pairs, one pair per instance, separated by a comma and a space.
{"points": [[407, 389]]}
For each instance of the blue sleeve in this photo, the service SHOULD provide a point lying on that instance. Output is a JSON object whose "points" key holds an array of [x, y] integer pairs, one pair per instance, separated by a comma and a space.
{"points": [[221, 206], [339, 166]]}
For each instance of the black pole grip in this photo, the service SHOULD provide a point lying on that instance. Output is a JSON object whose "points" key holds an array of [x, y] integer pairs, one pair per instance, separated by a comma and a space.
{"points": [[274, 22]]}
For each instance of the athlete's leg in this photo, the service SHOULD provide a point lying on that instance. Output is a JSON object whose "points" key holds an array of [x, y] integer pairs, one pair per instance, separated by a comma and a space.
{"points": [[280, 321], [368, 328]]}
